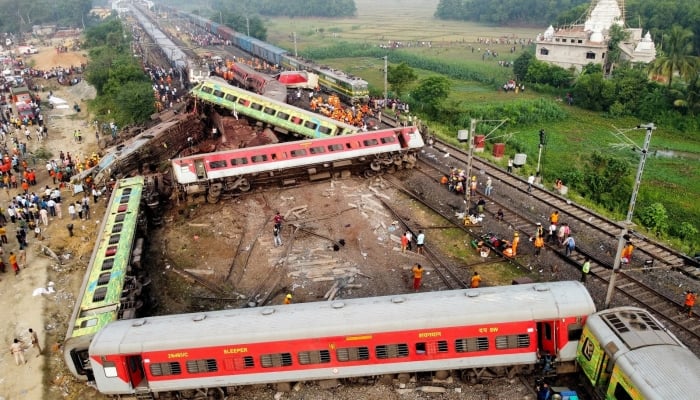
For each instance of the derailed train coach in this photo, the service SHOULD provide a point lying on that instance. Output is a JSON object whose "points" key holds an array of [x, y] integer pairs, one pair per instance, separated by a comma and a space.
{"points": [[462, 331]]}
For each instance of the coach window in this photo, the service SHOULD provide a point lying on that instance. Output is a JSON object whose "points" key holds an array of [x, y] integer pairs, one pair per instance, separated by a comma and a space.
{"points": [[621, 393], [218, 93], [259, 158], [165, 368], [256, 106], [99, 295], [282, 115], [575, 332], [335, 147], [324, 129], [239, 161], [424, 348], [114, 239], [243, 102], [107, 264], [370, 142], [117, 228], [110, 369], [217, 164], [388, 139], [276, 360], [230, 97], [206, 89], [238, 363], [119, 218], [310, 125], [298, 153], [399, 350], [269, 111], [317, 150], [352, 354], [512, 342], [104, 278], [468, 345], [200, 366], [314, 357]]}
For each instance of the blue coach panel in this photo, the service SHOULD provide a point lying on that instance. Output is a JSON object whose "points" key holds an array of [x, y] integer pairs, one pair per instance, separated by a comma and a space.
{"points": [[214, 28], [245, 44]]}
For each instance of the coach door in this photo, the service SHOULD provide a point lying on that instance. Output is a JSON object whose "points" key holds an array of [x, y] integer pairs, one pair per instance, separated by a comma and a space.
{"points": [[546, 341], [136, 373], [199, 169]]}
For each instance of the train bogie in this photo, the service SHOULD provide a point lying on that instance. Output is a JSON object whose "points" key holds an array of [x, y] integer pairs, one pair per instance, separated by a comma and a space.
{"points": [[332, 340]]}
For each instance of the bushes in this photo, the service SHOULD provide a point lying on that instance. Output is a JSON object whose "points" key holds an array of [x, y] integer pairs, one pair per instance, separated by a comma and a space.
{"points": [[519, 112]]}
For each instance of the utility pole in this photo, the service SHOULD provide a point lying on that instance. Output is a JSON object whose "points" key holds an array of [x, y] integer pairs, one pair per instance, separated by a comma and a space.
{"points": [[386, 71], [630, 212], [247, 25], [294, 34]]}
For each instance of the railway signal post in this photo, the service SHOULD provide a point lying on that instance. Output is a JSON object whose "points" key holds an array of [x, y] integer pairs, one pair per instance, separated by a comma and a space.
{"points": [[630, 211]]}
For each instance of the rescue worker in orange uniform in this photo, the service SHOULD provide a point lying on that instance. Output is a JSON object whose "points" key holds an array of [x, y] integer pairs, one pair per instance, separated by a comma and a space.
{"points": [[288, 298], [514, 245], [417, 276], [690, 297], [626, 257], [475, 281]]}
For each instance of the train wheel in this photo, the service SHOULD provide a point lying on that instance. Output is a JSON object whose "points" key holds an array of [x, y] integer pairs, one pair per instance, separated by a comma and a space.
{"points": [[244, 186], [397, 159], [369, 173], [212, 199], [376, 166]]}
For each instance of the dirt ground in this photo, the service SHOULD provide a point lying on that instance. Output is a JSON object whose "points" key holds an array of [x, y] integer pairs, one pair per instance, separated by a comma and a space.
{"points": [[46, 314]]}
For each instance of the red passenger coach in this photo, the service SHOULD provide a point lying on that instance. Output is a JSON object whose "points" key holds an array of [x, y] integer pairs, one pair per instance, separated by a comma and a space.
{"points": [[236, 169], [502, 328]]}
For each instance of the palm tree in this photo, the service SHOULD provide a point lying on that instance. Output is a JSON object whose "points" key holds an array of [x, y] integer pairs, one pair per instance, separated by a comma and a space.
{"points": [[677, 55]]}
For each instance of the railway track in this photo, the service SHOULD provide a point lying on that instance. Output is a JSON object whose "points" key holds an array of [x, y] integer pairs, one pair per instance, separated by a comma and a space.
{"points": [[522, 215]]}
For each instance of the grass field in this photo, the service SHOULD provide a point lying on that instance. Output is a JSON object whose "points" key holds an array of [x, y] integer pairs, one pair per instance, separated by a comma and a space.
{"points": [[669, 180]]}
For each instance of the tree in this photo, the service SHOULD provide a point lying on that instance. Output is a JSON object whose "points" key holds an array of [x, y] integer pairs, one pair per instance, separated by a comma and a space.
{"points": [[521, 64], [617, 35], [399, 77], [655, 218], [677, 56], [431, 92]]}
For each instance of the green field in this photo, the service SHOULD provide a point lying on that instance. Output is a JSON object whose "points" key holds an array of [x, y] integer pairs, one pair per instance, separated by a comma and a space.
{"points": [[669, 180]]}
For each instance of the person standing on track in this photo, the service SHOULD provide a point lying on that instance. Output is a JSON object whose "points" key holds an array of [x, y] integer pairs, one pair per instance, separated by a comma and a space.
{"points": [[690, 297], [417, 271], [585, 269], [475, 281], [420, 242], [569, 245], [539, 244]]}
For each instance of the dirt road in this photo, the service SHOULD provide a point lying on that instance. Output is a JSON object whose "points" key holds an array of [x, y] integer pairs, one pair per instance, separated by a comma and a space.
{"points": [[46, 314]]}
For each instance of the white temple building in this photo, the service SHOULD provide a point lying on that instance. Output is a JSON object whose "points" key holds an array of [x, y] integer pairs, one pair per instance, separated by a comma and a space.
{"points": [[580, 44]]}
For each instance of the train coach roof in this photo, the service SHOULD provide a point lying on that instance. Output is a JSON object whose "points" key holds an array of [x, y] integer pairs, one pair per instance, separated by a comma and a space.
{"points": [[543, 301], [662, 372]]}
